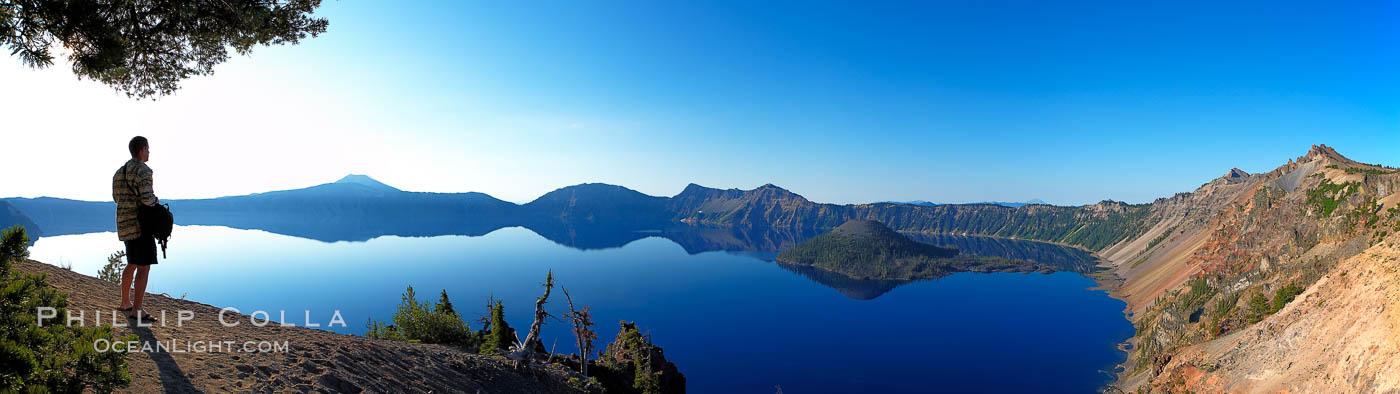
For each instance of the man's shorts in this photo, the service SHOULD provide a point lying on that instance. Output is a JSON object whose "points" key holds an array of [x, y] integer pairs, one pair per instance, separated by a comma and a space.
{"points": [[141, 251]]}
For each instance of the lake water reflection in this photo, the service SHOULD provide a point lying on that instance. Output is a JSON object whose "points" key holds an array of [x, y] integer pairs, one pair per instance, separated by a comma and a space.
{"points": [[729, 317]]}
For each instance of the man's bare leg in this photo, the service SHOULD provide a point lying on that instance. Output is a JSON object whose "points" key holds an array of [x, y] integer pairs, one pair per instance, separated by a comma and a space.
{"points": [[141, 276], [126, 285]]}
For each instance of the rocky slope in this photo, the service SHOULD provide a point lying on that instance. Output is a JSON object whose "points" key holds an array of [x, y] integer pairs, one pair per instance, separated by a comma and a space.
{"points": [[1342, 334], [1216, 278]]}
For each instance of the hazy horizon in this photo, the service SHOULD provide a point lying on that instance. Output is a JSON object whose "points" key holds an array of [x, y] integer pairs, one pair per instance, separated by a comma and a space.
{"points": [[521, 202], [949, 103]]}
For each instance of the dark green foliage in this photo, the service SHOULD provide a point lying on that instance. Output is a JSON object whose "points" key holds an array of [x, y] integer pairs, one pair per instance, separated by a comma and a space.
{"points": [[14, 245], [1368, 171], [633, 357], [1140, 261], [1161, 238], [1327, 195], [497, 335], [53, 357], [1198, 292], [445, 305], [1285, 295], [1148, 348], [1367, 212], [1258, 308], [145, 48], [378, 330], [112, 272], [1220, 313], [646, 381], [586, 385], [427, 323]]}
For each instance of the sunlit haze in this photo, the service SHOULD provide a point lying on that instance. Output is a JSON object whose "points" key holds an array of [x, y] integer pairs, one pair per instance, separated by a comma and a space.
{"points": [[949, 103]]}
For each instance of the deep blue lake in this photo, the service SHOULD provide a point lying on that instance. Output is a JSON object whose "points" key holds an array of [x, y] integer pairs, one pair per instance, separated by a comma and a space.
{"points": [[731, 321]]}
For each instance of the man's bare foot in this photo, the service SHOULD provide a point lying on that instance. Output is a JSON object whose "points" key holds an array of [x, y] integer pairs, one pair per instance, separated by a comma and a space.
{"points": [[142, 316], [125, 308]]}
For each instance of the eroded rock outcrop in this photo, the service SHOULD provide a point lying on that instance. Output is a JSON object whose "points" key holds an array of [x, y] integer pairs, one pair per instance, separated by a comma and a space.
{"points": [[1216, 280]]}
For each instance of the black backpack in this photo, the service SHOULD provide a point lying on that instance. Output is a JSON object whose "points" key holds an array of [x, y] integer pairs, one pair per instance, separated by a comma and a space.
{"points": [[156, 221]]}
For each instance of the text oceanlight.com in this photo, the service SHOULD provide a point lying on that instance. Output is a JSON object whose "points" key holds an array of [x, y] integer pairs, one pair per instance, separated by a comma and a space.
{"points": [[103, 345], [228, 317]]}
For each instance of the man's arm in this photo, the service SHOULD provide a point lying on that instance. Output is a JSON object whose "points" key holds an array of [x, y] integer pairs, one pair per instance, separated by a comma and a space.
{"points": [[145, 187]]}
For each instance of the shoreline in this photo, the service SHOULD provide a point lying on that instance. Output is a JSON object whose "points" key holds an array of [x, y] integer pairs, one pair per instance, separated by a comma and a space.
{"points": [[1110, 282]]}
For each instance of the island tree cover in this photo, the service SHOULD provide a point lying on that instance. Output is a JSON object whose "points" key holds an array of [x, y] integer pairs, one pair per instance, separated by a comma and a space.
{"points": [[866, 249], [145, 48]]}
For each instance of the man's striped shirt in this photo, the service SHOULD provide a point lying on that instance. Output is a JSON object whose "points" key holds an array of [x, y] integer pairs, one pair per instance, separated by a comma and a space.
{"points": [[132, 186]]}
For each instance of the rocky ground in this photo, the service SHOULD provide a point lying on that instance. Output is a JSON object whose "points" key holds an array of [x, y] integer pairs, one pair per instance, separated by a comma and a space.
{"points": [[1321, 223], [1340, 335], [315, 360]]}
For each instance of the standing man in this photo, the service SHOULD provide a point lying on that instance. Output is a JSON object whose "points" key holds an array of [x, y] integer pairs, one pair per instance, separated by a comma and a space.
{"points": [[132, 188]]}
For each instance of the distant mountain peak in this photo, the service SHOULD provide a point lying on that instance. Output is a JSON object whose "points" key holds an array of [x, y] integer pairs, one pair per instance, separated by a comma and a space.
{"points": [[1321, 150], [596, 187], [593, 190], [769, 188], [925, 203], [367, 181], [1235, 175], [1324, 152], [1325, 155]]}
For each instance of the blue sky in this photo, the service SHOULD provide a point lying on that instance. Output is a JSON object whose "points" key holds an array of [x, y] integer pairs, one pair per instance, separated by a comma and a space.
{"points": [[1070, 102]]}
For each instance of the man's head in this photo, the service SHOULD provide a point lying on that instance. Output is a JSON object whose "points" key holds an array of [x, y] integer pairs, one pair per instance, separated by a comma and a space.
{"points": [[140, 148]]}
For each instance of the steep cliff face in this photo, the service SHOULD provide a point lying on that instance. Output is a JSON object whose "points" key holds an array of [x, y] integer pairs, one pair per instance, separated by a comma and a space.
{"points": [[767, 206], [1176, 227], [10, 216], [1342, 335], [1217, 261], [1091, 226]]}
